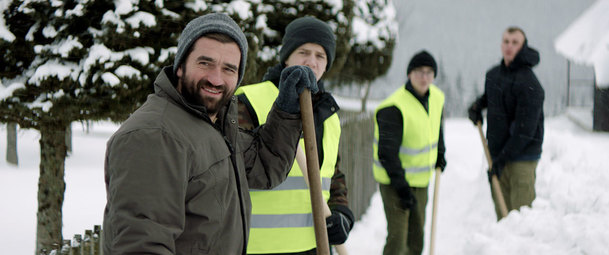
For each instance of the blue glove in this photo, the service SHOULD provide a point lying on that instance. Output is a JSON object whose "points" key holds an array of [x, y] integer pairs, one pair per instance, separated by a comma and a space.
{"points": [[293, 81]]}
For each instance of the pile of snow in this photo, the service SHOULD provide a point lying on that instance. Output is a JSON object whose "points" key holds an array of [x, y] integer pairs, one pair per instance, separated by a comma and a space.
{"points": [[569, 215]]}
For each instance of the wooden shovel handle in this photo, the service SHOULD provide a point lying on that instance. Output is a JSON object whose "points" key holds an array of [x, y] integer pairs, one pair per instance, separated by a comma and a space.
{"points": [[494, 180], [434, 211], [317, 201]]}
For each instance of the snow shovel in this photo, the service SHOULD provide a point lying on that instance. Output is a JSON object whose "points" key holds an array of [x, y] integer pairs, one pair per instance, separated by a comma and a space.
{"points": [[301, 160], [317, 201], [434, 211], [494, 180]]}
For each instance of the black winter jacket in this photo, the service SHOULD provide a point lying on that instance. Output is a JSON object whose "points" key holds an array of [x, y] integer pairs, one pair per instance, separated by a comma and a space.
{"points": [[514, 98]]}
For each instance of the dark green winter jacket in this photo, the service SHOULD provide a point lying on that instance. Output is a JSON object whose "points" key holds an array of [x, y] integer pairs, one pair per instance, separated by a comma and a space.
{"points": [[178, 184]]}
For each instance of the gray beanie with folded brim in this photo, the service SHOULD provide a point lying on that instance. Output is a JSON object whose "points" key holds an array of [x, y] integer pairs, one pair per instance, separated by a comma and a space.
{"points": [[211, 23]]}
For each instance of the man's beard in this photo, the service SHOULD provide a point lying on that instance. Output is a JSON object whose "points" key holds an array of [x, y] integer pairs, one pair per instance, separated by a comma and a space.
{"points": [[191, 93]]}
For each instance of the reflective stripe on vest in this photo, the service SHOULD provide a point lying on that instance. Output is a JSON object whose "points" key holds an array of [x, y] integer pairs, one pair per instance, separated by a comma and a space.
{"points": [[419, 148], [296, 182], [411, 151], [281, 218]]}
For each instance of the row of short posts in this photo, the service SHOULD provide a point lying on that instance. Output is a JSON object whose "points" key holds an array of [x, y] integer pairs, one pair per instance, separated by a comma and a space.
{"points": [[89, 244]]}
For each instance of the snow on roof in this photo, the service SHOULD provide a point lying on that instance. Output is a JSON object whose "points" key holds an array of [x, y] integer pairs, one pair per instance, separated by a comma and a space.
{"points": [[586, 41]]}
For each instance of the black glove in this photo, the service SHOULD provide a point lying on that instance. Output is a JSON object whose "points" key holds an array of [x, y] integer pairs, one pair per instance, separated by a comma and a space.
{"points": [[407, 200], [441, 163], [339, 224], [293, 81], [497, 168], [475, 113]]}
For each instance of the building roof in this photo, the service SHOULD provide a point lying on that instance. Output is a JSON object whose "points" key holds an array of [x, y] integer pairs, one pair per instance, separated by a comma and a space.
{"points": [[586, 41]]}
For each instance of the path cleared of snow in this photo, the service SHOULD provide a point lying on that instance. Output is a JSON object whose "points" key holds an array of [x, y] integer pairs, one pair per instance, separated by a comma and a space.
{"points": [[569, 215]]}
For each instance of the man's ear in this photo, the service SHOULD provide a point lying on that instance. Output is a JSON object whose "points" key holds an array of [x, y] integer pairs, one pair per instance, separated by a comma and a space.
{"points": [[179, 71]]}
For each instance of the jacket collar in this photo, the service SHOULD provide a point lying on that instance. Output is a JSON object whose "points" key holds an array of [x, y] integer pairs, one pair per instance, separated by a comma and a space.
{"points": [[410, 89]]}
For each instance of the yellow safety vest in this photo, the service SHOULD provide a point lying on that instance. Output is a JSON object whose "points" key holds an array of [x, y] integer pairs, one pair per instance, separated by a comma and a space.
{"points": [[419, 148], [282, 220]]}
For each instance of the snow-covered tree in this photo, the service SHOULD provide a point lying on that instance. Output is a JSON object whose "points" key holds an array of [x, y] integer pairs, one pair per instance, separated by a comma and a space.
{"points": [[374, 30], [365, 32], [271, 18]]}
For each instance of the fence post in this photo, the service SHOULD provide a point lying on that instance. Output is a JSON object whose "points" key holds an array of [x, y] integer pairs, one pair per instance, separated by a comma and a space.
{"points": [[76, 245], [97, 239], [11, 144], [65, 247], [87, 245], [568, 82]]}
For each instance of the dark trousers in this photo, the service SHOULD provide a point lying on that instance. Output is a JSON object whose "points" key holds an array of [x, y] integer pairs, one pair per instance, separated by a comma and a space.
{"points": [[517, 182], [404, 227]]}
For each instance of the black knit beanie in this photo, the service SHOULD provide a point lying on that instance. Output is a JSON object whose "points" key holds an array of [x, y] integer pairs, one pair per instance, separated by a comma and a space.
{"points": [[423, 58], [308, 30]]}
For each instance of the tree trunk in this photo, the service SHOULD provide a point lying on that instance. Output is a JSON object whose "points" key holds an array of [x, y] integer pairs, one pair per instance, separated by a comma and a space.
{"points": [[51, 186], [365, 96], [11, 144], [69, 138]]}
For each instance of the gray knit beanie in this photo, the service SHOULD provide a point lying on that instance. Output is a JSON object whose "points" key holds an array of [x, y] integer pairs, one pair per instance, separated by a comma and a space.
{"points": [[211, 23], [308, 30]]}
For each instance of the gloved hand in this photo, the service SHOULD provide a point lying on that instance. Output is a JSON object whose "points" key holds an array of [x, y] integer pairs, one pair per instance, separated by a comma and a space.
{"points": [[475, 113], [441, 163], [339, 224], [407, 200], [293, 80], [497, 168]]}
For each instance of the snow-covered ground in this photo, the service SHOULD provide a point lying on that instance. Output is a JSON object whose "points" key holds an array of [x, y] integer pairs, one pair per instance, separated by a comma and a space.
{"points": [[569, 216]]}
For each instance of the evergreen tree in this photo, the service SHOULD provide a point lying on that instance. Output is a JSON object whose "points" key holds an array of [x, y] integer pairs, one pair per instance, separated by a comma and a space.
{"points": [[374, 30], [272, 16]]}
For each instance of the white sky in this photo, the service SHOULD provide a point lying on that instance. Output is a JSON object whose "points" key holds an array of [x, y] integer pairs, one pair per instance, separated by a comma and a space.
{"points": [[568, 217]]}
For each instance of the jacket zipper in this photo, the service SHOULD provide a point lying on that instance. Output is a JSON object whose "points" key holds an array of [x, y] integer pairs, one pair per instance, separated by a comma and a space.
{"points": [[238, 180]]}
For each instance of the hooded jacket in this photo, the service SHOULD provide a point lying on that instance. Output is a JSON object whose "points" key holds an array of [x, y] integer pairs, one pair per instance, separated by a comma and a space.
{"points": [[514, 98], [178, 184]]}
